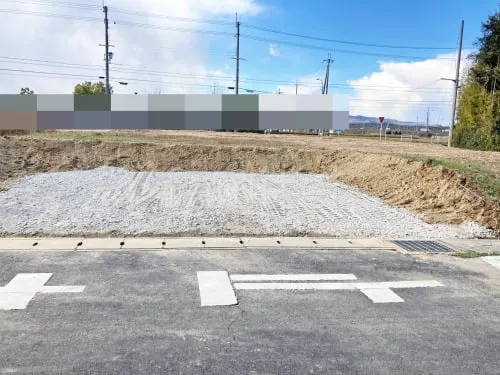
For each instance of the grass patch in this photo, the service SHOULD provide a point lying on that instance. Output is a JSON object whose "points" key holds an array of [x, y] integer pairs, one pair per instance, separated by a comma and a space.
{"points": [[480, 176], [472, 254], [101, 137]]}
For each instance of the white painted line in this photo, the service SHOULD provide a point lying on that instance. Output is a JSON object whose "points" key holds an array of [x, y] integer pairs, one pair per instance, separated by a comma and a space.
{"points": [[215, 289], [494, 260], [382, 295], [292, 277], [48, 289], [27, 282], [399, 284], [337, 286], [292, 286]]}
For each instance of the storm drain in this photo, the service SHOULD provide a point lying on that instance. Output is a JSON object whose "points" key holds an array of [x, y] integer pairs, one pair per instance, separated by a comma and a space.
{"points": [[423, 246]]}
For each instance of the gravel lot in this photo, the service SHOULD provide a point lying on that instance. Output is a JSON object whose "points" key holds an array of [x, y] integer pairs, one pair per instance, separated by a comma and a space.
{"points": [[109, 199]]}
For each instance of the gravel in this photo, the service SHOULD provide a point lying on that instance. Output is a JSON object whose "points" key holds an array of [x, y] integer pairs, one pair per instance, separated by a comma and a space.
{"points": [[113, 200]]}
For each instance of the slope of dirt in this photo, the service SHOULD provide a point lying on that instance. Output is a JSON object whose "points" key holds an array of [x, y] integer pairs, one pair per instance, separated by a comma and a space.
{"points": [[343, 143], [441, 195]]}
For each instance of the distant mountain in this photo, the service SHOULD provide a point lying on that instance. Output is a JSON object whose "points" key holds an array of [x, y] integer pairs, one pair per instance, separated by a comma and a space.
{"points": [[361, 119]]}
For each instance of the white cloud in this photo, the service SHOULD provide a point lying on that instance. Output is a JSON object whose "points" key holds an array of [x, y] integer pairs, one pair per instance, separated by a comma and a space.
{"points": [[273, 50], [404, 90], [309, 85], [72, 41]]}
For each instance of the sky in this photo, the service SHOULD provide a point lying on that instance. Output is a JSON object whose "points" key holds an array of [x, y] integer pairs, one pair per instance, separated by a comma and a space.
{"points": [[388, 55]]}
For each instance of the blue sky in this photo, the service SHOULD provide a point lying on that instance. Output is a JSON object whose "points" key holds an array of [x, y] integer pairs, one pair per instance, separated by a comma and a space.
{"points": [[388, 22], [153, 57], [433, 23]]}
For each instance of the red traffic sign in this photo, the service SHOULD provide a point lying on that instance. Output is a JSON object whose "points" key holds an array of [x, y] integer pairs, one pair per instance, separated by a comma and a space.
{"points": [[381, 119]]}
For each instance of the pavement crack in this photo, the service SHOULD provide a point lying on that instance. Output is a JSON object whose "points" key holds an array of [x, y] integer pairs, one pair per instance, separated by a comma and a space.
{"points": [[230, 331]]}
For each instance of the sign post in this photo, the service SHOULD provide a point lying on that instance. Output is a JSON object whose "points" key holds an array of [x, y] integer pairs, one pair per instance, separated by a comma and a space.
{"points": [[381, 119]]}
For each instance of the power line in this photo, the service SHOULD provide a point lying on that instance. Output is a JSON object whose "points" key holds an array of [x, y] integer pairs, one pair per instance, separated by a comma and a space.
{"points": [[345, 41], [162, 48], [308, 46], [216, 22], [57, 3], [364, 102], [51, 15], [147, 71], [212, 32], [121, 11], [62, 75], [396, 101], [160, 16], [150, 83], [123, 23], [179, 29]]}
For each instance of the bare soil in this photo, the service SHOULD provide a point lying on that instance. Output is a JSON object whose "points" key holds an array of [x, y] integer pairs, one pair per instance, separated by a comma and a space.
{"points": [[379, 168]]}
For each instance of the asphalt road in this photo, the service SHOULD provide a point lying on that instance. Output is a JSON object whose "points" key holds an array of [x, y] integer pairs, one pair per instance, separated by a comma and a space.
{"points": [[140, 313]]}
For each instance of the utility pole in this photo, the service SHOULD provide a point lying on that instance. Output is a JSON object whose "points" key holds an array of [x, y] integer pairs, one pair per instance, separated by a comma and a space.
{"points": [[456, 81], [105, 9], [297, 88], [327, 75], [237, 54], [427, 123]]}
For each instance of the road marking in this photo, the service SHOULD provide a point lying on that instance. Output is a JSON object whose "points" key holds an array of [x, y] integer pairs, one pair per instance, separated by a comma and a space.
{"points": [[290, 277], [49, 289], [382, 295], [337, 286], [292, 286], [27, 282], [215, 289], [493, 260], [399, 284], [23, 287]]}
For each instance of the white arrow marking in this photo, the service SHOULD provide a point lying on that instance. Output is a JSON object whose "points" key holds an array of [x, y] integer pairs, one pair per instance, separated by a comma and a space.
{"points": [[216, 289], [22, 288]]}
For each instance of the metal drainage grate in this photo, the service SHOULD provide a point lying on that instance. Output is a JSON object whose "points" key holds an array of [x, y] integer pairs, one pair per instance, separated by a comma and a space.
{"points": [[423, 246]]}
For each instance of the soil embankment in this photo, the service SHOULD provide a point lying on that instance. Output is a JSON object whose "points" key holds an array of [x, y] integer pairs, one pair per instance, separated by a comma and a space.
{"points": [[441, 195]]}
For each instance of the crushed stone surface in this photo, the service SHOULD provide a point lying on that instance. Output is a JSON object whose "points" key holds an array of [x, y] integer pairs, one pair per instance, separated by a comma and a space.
{"points": [[109, 199]]}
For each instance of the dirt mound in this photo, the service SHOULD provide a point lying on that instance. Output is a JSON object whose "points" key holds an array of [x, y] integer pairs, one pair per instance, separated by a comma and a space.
{"points": [[441, 195]]}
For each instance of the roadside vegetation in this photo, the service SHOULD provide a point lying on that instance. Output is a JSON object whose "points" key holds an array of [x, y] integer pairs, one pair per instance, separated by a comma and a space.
{"points": [[472, 254], [481, 177], [478, 117]]}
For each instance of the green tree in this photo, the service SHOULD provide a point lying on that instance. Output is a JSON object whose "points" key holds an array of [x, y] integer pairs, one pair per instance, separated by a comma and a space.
{"points": [[478, 124], [477, 114], [486, 69], [26, 91], [89, 88]]}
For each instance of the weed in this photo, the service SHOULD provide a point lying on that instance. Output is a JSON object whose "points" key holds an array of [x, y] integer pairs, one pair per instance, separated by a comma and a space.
{"points": [[472, 254]]}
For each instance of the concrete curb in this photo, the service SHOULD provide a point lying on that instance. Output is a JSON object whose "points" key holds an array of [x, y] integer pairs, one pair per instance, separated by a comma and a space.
{"points": [[158, 243], [229, 243]]}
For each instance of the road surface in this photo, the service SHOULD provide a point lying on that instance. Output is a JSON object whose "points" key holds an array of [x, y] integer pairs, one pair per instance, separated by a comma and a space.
{"points": [[340, 312]]}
